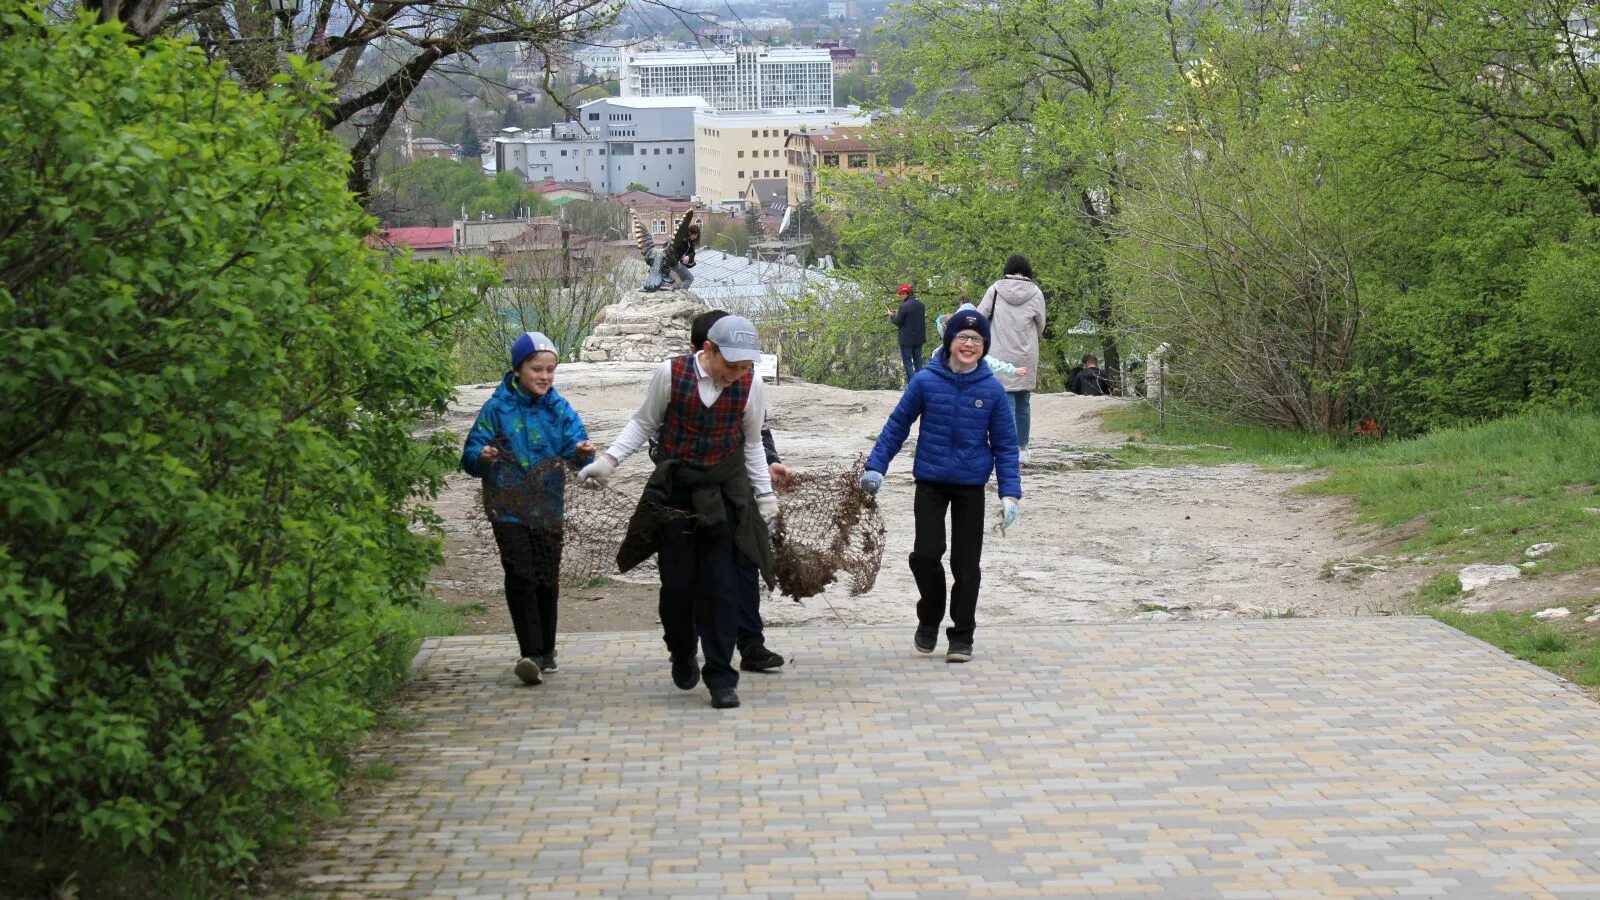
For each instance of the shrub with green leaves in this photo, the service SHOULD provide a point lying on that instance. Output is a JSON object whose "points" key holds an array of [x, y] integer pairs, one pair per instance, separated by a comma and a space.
{"points": [[208, 394]]}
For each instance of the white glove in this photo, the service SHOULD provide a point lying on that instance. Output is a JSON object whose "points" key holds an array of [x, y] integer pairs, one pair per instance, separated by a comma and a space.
{"points": [[767, 505], [597, 473], [1008, 511]]}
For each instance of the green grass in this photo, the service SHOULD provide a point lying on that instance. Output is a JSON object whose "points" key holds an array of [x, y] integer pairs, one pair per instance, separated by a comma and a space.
{"points": [[435, 618], [1572, 652], [1195, 442]]}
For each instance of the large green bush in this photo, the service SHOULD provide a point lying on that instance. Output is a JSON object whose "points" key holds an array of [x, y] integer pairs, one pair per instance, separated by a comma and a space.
{"points": [[208, 391]]}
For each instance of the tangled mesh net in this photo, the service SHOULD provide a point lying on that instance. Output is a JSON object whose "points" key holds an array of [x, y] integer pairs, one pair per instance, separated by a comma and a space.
{"points": [[827, 528]]}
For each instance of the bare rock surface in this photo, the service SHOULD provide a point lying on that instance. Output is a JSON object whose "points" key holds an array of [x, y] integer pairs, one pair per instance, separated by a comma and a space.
{"points": [[644, 326], [1477, 576]]}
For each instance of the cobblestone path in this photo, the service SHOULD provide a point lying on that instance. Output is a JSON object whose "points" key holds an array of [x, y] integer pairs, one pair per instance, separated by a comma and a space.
{"points": [[1313, 758]]}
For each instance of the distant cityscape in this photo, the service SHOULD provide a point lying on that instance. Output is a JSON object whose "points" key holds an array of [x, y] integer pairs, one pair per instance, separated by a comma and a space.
{"points": [[736, 121]]}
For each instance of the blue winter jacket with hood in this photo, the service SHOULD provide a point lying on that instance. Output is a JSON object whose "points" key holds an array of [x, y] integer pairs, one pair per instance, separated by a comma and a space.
{"points": [[967, 429], [529, 430]]}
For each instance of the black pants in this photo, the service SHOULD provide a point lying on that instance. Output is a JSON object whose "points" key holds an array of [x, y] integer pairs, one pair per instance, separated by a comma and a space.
{"points": [[965, 504], [532, 560], [751, 630], [701, 589]]}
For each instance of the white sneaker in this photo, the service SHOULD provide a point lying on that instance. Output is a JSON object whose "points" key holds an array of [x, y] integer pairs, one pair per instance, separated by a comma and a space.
{"points": [[1022, 456], [528, 671]]}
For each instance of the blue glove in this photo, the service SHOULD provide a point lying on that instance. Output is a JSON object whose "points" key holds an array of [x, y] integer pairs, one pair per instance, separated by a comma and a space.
{"points": [[1008, 512], [871, 481]]}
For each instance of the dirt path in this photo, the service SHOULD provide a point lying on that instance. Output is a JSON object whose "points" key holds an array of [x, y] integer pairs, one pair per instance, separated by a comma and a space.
{"points": [[1093, 545]]}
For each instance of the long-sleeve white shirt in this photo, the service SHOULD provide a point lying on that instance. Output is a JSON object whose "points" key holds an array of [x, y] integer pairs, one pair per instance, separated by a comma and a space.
{"points": [[646, 422]]}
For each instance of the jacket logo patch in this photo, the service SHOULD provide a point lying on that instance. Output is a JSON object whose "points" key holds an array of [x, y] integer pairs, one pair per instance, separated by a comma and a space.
{"points": [[978, 403]]}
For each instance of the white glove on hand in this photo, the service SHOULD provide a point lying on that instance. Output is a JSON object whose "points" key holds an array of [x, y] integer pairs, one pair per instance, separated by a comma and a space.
{"points": [[871, 481], [1008, 511], [597, 473], [767, 505]]}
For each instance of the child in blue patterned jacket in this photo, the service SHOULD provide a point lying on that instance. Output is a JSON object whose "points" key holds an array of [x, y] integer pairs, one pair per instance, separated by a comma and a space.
{"points": [[522, 425], [967, 434]]}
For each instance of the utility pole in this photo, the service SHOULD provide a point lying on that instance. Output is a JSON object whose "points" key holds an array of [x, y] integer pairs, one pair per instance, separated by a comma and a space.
{"points": [[566, 255]]}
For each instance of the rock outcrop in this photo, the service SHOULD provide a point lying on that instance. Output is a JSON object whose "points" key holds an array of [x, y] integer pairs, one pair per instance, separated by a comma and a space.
{"points": [[643, 327]]}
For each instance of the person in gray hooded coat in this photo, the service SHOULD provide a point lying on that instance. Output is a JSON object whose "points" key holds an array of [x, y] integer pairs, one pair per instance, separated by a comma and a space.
{"points": [[1014, 306]]}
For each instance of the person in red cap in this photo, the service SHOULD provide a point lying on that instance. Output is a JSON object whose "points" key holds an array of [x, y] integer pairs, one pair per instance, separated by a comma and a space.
{"points": [[911, 318]]}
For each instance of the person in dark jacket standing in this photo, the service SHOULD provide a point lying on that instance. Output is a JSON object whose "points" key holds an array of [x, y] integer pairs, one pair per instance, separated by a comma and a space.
{"points": [[1088, 380], [911, 317], [967, 433], [708, 408]]}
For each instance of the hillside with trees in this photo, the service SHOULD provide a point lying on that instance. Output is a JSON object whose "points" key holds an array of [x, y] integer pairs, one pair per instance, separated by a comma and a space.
{"points": [[1381, 210]]}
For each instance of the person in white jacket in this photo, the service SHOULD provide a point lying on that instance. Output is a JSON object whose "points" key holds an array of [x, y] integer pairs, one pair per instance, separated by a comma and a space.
{"points": [[1015, 308]]}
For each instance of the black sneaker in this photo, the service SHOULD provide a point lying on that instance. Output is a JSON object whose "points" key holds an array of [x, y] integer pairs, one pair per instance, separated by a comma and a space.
{"points": [[759, 659], [959, 653], [547, 664], [927, 638], [685, 674], [724, 698], [528, 670]]}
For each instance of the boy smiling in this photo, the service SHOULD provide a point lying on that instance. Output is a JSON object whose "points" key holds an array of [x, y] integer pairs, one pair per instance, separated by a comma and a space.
{"points": [[967, 433]]}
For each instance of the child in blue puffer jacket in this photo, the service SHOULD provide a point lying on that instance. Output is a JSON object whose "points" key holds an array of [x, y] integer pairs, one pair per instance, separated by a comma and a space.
{"points": [[524, 424], [994, 364], [967, 432]]}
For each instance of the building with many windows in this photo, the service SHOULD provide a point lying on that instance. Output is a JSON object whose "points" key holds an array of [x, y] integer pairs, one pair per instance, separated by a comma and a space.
{"points": [[738, 79], [734, 148], [597, 60], [616, 142], [807, 151]]}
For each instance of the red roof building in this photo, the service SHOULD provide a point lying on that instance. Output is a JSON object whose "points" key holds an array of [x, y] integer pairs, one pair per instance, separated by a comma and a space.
{"points": [[423, 242]]}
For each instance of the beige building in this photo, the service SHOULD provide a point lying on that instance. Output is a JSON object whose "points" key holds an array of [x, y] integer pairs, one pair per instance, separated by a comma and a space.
{"points": [[732, 149], [808, 151]]}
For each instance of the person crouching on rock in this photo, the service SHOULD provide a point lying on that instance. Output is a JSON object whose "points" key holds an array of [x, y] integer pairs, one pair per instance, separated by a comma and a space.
{"points": [[525, 423], [967, 432], [681, 267], [707, 507]]}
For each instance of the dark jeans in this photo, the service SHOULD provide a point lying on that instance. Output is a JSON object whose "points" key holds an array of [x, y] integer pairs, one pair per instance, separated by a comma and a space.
{"points": [[701, 589], [1022, 408], [911, 358], [965, 503], [750, 626], [532, 560]]}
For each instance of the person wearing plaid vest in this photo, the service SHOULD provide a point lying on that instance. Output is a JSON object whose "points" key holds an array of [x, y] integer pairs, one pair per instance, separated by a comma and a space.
{"points": [[708, 409], [754, 655], [697, 434]]}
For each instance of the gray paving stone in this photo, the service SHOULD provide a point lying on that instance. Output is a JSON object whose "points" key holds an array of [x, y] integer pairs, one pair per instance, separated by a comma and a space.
{"points": [[1317, 758]]}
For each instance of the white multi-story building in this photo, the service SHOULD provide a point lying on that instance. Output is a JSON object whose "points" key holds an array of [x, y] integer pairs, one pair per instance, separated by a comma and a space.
{"points": [[616, 142], [731, 148], [599, 60], [744, 78]]}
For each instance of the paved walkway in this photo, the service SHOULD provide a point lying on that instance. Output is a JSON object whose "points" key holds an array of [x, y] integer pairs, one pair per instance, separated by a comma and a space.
{"points": [[1313, 758]]}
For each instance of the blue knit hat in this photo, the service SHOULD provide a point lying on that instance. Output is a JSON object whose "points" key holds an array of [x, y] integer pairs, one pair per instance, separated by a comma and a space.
{"points": [[531, 342], [962, 320]]}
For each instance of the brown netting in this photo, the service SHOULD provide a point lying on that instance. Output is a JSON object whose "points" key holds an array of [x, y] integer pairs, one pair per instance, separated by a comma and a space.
{"points": [[826, 526]]}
